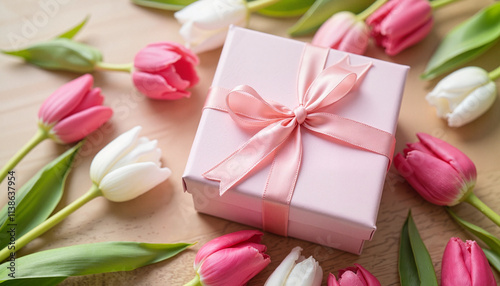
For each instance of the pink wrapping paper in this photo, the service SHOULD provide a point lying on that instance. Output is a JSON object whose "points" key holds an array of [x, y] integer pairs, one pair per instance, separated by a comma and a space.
{"points": [[338, 190]]}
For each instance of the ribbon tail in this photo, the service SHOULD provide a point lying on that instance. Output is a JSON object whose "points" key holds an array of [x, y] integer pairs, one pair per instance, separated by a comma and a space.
{"points": [[237, 166]]}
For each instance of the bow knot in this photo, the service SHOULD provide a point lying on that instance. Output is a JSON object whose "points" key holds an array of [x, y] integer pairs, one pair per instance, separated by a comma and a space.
{"points": [[300, 114]]}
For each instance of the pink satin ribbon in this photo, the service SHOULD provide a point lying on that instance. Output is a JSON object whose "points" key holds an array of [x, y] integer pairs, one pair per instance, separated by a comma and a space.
{"points": [[279, 131]]}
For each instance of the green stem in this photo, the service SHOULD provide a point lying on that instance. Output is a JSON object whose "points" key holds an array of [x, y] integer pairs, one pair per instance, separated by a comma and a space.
{"points": [[368, 11], [114, 67], [35, 140], [436, 4], [91, 194], [195, 282], [494, 74], [478, 204], [256, 5]]}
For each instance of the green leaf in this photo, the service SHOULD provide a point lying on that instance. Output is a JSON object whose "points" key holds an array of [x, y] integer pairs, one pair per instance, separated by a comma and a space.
{"points": [[37, 199], [287, 8], [51, 281], [321, 10], [420, 271], [73, 31], [171, 5], [85, 259], [493, 258], [489, 239], [466, 41]]}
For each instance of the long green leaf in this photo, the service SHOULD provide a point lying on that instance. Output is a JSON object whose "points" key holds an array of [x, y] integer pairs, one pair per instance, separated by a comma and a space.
{"points": [[408, 273], [466, 41], [171, 5], [50, 281], [73, 31], [492, 241], [321, 10], [85, 259], [36, 199], [493, 258], [287, 8], [423, 260]]}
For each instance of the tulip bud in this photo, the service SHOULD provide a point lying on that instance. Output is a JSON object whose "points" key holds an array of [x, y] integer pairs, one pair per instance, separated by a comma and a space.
{"points": [[231, 259], [343, 32], [464, 263], [353, 276], [463, 95], [128, 167], [73, 111], [60, 54], [165, 70], [205, 23], [400, 24], [296, 270], [439, 172]]}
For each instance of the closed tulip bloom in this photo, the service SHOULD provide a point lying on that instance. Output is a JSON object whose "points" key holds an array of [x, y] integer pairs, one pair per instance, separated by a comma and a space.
{"points": [[128, 167], [73, 111], [463, 95], [343, 32], [400, 24], [231, 259], [353, 276], [296, 270], [165, 70], [205, 23], [439, 172], [464, 263]]}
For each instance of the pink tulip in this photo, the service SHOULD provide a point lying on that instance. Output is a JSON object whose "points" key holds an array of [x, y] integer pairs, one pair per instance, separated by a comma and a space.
{"points": [[464, 263], [165, 70], [400, 24], [231, 259], [343, 32], [73, 111], [353, 276], [439, 172]]}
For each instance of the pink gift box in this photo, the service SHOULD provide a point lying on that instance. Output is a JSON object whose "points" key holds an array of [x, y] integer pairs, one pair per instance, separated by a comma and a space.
{"points": [[338, 189]]}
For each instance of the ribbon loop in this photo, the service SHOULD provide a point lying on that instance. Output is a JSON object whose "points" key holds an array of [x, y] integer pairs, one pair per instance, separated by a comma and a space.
{"points": [[279, 135]]}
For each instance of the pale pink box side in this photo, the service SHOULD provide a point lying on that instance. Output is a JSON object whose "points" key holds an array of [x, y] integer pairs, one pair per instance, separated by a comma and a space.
{"points": [[339, 188]]}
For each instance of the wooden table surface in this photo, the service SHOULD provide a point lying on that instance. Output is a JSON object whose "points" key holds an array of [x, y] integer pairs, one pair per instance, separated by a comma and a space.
{"points": [[166, 214]]}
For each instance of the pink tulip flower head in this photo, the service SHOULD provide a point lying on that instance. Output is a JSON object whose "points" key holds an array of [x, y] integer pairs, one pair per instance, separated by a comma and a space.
{"points": [[231, 259], [400, 24], [464, 263], [353, 276], [165, 70], [439, 172], [73, 111], [343, 32]]}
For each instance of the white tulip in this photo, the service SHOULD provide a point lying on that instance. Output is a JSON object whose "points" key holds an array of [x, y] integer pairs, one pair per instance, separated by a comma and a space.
{"points": [[128, 167], [205, 22], [463, 95], [296, 270]]}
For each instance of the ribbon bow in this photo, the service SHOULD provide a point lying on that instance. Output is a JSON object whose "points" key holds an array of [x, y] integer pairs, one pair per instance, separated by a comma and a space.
{"points": [[279, 135]]}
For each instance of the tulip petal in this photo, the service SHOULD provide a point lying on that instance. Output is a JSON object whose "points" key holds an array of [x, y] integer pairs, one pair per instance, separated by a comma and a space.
{"points": [[112, 153], [395, 46], [280, 274], [480, 272], [232, 266], [368, 278], [406, 18], [144, 151], [474, 105], [93, 98], [156, 87], [154, 59], [450, 154], [306, 273], [350, 278], [455, 265], [66, 98], [331, 33], [226, 241], [187, 72], [131, 181], [356, 39], [173, 78], [79, 125], [332, 281], [179, 49]]}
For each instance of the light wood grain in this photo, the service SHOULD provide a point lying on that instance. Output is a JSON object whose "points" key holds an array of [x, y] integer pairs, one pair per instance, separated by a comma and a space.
{"points": [[166, 214]]}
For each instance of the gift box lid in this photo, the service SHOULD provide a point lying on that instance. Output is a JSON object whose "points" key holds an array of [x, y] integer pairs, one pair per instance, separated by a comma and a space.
{"points": [[338, 187]]}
